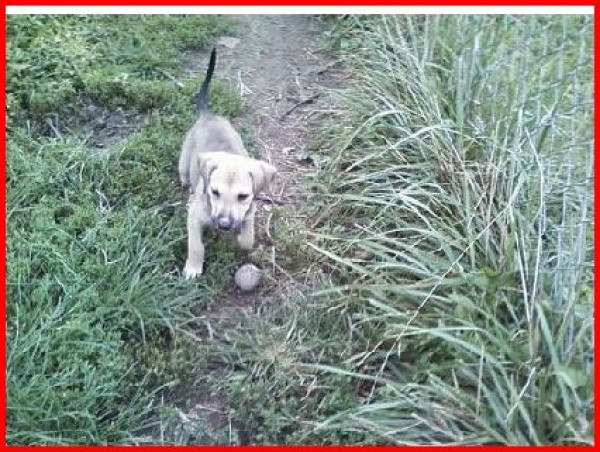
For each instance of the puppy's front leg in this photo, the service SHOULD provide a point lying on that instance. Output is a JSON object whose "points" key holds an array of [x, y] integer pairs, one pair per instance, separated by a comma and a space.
{"points": [[245, 238], [194, 264]]}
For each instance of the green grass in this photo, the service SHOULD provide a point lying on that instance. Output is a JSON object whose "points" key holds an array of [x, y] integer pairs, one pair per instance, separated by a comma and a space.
{"points": [[447, 242], [58, 62], [452, 221], [95, 241]]}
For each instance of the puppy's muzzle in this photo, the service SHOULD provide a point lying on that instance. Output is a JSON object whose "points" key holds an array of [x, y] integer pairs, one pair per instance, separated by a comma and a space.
{"points": [[224, 222]]}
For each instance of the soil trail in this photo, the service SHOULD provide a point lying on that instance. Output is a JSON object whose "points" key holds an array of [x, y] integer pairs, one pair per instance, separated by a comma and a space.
{"points": [[280, 74], [275, 64]]}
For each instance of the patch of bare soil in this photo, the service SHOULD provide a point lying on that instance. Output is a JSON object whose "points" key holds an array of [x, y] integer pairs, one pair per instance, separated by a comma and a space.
{"points": [[274, 63], [103, 127]]}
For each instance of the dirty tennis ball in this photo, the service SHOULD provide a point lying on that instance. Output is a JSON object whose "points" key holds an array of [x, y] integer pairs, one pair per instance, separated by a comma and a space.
{"points": [[247, 277]]}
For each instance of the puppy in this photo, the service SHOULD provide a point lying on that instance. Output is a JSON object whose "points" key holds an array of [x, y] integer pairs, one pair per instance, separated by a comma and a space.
{"points": [[221, 179]]}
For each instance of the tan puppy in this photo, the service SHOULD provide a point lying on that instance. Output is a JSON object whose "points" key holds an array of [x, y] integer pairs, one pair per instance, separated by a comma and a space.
{"points": [[222, 180]]}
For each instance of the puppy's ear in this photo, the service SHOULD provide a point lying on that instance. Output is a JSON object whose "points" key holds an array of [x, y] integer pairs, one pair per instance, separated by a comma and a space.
{"points": [[262, 174], [205, 165]]}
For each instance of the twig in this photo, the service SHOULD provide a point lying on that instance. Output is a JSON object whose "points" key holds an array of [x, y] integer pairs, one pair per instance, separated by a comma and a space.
{"points": [[279, 202], [326, 111], [268, 226], [325, 68], [308, 100], [243, 88], [209, 408], [54, 129], [170, 77], [123, 126]]}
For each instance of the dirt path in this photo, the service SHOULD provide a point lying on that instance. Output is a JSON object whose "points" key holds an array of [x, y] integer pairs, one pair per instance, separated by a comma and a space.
{"points": [[274, 63]]}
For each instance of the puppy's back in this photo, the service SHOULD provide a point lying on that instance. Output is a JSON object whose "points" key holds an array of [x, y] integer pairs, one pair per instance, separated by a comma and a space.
{"points": [[212, 133]]}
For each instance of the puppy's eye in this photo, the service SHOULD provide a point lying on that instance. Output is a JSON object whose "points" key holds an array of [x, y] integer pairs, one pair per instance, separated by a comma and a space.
{"points": [[242, 197], [215, 192]]}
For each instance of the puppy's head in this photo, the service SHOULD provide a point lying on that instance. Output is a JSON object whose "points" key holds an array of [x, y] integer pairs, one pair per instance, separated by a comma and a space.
{"points": [[231, 182]]}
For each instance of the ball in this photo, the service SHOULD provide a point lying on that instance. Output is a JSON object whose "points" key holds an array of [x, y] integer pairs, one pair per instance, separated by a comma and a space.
{"points": [[247, 277]]}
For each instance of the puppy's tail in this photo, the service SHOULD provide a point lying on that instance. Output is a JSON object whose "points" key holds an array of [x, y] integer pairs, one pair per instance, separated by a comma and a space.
{"points": [[202, 96]]}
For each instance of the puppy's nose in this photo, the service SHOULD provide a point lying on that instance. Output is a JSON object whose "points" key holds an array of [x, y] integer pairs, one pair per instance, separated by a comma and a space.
{"points": [[224, 223]]}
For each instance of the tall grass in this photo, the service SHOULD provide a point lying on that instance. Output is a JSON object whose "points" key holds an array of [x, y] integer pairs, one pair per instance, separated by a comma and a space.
{"points": [[453, 213], [465, 187]]}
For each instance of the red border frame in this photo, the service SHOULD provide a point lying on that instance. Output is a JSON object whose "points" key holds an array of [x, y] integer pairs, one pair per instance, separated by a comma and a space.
{"points": [[340, 3], [299, 3], [3, 229], [596, 231], [312, 448]]}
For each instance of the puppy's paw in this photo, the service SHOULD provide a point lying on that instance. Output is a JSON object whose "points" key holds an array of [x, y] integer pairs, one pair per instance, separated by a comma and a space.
{"points": [[192, 271], [245, 241]]}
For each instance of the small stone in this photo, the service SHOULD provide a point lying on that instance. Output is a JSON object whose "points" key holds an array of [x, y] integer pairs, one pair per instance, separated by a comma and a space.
{"points": [[247, 277], [364, 255], [307, 159], [228, 41]]}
